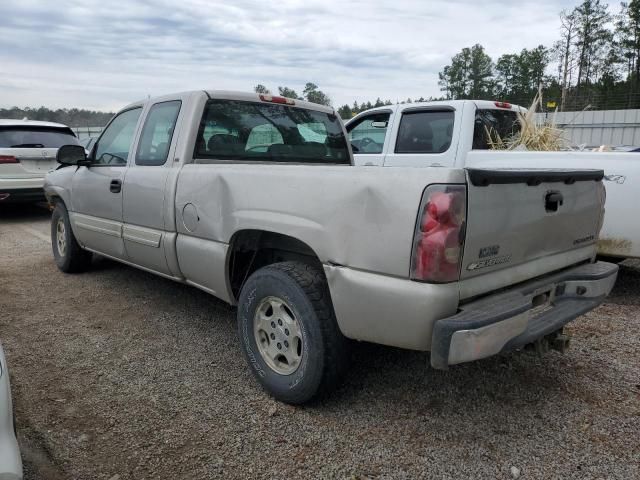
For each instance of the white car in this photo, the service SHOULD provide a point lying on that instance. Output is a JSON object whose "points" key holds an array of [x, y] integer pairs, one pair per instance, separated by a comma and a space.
{"points": [[10, 462], [27, 153]]}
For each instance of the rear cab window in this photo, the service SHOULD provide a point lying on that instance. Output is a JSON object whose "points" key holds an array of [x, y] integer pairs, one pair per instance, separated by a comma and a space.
{"points": [[25, 136], [265, 132], [490, 123], [367, 134], [425, 131]]}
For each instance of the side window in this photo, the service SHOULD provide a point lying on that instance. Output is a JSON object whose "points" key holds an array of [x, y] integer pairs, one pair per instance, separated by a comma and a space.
{"points": [[493, 124], [114, 144], [425, 132], [367, 134], [262, 137], [157, 133], [313, 132]]}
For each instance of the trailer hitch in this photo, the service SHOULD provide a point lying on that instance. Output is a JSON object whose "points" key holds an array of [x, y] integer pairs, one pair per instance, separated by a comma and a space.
{"points": [[557, 340]]}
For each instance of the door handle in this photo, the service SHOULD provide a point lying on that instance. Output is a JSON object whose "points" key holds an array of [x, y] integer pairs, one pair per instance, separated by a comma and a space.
{"points": [[116, 186], [552, 201]]}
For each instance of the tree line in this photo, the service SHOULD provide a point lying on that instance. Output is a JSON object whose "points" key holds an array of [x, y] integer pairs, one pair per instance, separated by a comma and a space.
{"points": [[596, 64], [73, 117]]}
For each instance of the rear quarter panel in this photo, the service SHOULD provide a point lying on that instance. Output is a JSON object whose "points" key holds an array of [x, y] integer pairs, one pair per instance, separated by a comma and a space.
{"points": [[361, 217]]}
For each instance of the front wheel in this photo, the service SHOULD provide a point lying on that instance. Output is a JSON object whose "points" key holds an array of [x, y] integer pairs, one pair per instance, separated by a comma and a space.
{"points": [[67, 253], [289, 334]]}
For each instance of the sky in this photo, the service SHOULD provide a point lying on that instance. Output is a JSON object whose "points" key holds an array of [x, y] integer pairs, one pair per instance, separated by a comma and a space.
{"points": [[103, 55]]}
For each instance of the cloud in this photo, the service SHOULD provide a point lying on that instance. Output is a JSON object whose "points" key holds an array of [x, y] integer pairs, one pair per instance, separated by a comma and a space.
{"points": [[103, 55]]}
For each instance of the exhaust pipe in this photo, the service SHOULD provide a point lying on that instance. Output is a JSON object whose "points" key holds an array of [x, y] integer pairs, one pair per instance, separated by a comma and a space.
{"points": [[4, 196]]}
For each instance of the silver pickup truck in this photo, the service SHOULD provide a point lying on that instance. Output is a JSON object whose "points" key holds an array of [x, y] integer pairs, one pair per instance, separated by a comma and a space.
{"points": [[255, 199]]}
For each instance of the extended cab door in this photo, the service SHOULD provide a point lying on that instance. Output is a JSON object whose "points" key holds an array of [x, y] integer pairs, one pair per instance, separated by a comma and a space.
{"points": [[369, 136], [147, 199], [424, 136], [97, 189]]}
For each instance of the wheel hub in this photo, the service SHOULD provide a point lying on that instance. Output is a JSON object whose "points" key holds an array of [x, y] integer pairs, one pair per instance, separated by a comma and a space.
{"points": [[61, 239], [278, 335]]}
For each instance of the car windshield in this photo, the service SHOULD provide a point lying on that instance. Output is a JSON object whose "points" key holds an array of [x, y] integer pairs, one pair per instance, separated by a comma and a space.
{"points": [[253, 131], [36, 137]]}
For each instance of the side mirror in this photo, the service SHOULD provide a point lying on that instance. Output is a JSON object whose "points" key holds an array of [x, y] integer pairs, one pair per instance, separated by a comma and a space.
{"points": [[71, 155]]}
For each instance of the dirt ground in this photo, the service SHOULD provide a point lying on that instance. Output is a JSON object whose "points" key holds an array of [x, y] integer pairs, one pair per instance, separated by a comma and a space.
{"points": [[118, 374]]}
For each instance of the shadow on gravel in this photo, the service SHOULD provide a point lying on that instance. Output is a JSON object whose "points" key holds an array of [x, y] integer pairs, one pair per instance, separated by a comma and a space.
{"points": [[627, 288], [23, 212], [405, 379]]}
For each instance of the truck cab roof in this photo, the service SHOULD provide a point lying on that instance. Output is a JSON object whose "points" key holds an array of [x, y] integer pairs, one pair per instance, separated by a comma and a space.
{"points": [[452, 104], [236, 95]]}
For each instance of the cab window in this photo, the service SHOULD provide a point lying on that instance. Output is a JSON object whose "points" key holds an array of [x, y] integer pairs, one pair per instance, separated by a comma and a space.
{"points": [[490, 124], [235, 130], [114, 144], [425, 132], [262, 137], [367, 134], [157, 133]]}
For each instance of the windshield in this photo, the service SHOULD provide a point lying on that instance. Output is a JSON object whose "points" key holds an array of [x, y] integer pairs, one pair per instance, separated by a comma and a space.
{"points": [[503, 123], [252, 131], [36, 137]]}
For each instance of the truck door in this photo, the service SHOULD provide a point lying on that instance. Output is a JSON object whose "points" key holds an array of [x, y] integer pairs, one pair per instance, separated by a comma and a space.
{"points": [[425, 136], [146, 223], [96, 213], [368, 137]]}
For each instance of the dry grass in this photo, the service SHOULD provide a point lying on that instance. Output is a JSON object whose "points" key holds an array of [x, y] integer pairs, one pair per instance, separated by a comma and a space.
{"points": [[533, 135]]}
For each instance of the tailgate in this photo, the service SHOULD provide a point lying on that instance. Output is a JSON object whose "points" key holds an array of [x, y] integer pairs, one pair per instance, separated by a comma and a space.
{"points": [[518, 217]]}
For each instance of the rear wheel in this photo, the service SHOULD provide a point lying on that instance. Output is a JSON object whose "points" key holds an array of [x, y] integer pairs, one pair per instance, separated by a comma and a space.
{"points": [[67, 253], [289, 333]]}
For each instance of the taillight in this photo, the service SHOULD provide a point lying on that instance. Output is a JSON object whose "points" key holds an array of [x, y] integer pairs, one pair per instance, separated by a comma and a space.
{"points": [[8, 159], [439, 234], [273, 99], [502, 104]]}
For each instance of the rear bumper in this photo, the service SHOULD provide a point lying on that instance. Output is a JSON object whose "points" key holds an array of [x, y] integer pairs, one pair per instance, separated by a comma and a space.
{"points": [[520, 315], [21, 190], [25, 195], [18, 190]]}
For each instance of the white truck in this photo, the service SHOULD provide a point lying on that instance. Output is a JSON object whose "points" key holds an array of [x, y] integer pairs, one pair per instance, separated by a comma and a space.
{"points": [[254, 199], [453, 134]]}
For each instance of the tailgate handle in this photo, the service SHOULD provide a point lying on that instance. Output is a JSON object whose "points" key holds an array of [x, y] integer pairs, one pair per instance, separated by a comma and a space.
{"points": [[552, 201], [116, 186]]}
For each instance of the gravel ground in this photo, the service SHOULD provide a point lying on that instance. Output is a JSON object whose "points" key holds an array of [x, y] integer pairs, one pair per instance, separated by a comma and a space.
{"points": [[119, 374]]}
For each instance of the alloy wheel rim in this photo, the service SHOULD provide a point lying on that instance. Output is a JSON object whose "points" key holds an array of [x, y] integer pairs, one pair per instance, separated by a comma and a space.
{"points": [[278, 335], [61, 239]]}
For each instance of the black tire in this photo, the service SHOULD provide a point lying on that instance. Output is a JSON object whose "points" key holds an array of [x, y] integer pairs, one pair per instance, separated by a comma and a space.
{"points": [[73, 259], [324, 356]]}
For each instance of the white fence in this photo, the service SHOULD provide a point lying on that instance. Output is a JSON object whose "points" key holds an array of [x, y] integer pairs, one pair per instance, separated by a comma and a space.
{"points": [[84, 132], [599, 127]]}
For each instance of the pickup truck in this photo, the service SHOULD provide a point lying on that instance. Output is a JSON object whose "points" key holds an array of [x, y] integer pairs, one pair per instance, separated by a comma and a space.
{"points": [[453, 134], [255, 199]]}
